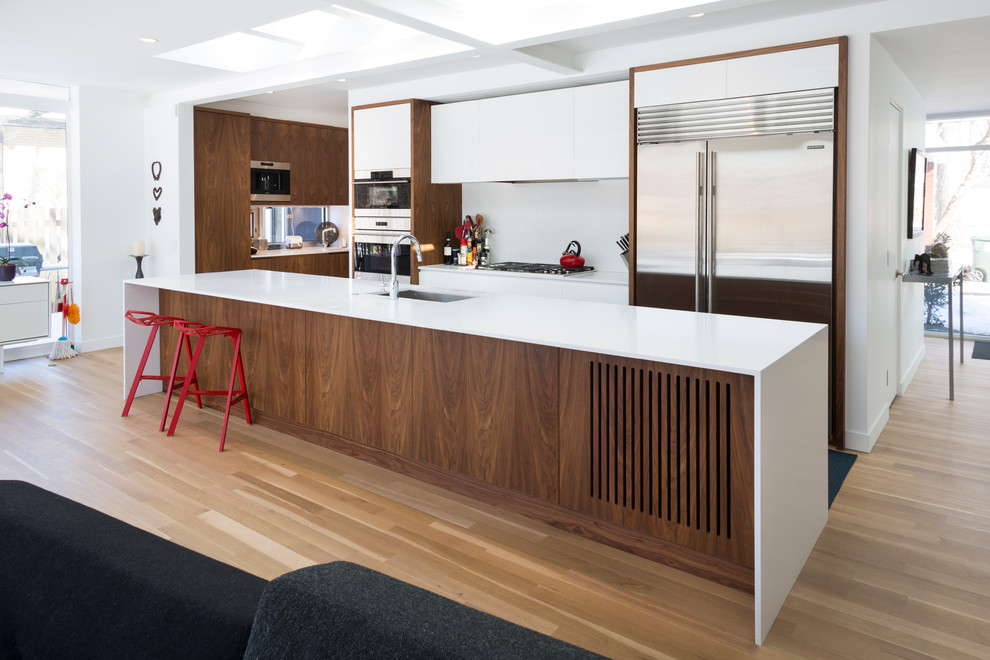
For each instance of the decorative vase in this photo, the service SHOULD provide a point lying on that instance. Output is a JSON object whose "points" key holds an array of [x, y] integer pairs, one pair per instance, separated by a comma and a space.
{"points": [[8, 272]]}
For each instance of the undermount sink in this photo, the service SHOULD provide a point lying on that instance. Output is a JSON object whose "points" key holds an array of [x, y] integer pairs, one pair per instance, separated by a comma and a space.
{"points": [[431, 296]]}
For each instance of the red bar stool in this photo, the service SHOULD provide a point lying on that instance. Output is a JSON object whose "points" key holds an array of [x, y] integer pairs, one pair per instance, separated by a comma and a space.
{"points": [[189, 329], [154, 321]]}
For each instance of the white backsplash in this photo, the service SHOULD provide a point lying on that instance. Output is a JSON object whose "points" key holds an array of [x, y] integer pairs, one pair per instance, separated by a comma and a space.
{"points": [[535, 221]]}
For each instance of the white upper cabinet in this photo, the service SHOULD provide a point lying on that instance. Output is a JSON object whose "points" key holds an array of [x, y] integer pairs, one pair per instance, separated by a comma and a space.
{"points": [[783, 71], [454, 142], [601, 131], [573, 133], [528, 137], [680, 84], [383, 137]]}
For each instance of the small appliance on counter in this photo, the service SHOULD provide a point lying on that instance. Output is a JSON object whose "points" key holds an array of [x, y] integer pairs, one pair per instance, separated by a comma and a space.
{"points": [[571, 258], [293, 242]]}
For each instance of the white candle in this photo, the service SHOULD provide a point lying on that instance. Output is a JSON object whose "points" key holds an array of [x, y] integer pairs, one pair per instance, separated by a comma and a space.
{"points": [[138, 249]]}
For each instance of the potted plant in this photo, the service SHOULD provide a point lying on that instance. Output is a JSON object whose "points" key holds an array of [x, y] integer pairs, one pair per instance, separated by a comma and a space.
{"points": [[8, 264]]}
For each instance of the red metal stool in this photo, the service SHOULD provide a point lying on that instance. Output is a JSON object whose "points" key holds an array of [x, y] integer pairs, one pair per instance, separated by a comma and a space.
{"points": [[154, 321], [189, 329]]}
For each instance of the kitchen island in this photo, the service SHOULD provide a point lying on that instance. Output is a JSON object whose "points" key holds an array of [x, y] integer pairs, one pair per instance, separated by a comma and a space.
{"points": [[696, 440]]}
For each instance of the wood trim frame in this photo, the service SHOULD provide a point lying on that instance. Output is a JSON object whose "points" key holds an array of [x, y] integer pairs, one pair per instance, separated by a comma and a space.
{"points": [[837, 328]]}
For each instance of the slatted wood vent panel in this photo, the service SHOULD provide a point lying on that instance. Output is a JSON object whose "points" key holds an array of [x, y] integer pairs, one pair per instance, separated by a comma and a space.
{"points": [[667, 450]]}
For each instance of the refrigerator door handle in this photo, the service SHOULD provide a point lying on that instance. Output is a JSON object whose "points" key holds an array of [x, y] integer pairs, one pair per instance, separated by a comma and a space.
{"points": [[699, 235], [710, 248]]}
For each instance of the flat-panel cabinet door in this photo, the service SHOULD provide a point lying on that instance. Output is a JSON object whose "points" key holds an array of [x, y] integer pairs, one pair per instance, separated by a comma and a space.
{"points": [[454, 142], [789, 70], [601, 131], [680, 84], [529, 137], [669, 224], [383, 137]]}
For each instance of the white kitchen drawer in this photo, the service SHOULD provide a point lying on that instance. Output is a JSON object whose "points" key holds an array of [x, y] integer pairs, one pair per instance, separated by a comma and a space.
{"points": [[24, 311]]}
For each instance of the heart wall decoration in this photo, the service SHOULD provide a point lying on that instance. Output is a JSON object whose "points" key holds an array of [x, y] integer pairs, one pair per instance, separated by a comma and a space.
{"points": [[156, 173]]}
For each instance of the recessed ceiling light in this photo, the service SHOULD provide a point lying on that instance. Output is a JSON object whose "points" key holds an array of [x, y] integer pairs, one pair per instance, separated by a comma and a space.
{"points": [[341, 79], [148, 40], [698, 15], [476, 56]]}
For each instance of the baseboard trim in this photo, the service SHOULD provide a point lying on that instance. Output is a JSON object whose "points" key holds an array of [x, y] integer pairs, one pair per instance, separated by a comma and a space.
{"points": [[910, 372]]}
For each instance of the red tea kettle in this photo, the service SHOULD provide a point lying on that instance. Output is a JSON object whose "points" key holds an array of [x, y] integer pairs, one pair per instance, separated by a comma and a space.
{"points": [[572, 256]]}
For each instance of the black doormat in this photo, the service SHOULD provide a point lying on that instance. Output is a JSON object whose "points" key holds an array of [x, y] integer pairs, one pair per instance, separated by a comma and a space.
{"points": [[839, 463], [981, 350]]}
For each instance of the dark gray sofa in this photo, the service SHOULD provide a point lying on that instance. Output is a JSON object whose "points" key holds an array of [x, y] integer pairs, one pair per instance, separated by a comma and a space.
{"points": [[76, 583]]}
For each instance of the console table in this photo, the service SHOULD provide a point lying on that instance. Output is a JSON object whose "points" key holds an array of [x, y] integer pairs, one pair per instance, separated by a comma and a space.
{"points": [[947, 280], [24, 311]]}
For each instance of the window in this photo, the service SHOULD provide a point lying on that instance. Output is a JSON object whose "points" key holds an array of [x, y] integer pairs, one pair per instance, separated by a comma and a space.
{"points": [[33, 172], [959, 153]]}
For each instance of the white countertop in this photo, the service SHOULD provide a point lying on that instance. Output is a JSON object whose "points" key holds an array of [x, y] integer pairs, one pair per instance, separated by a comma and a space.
{"points": [[293, 252], [727, 343], [595, 276]]}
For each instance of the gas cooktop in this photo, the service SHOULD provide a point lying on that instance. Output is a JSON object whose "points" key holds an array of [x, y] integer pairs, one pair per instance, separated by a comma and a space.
{"points": [[523, 267]]}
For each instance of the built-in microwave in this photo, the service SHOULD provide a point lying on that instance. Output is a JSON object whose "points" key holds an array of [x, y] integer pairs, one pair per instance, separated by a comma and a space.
{"points": [[270, 181], [382, 193]]}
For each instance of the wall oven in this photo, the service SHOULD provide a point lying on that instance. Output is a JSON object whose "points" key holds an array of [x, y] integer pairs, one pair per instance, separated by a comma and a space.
{"points": [[382, 193], [382, 213], [271, 181]]}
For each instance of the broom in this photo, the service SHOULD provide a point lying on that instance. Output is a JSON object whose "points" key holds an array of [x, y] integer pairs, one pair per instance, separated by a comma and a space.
{"points": [[70, 314]]}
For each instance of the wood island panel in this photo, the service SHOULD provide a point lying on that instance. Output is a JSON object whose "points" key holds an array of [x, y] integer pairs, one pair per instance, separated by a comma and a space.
{"points": [[663, 449], [564, 437]]}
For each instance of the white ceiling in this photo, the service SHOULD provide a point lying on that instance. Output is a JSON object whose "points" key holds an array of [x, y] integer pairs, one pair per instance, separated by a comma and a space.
{"points": [[66, 42]]}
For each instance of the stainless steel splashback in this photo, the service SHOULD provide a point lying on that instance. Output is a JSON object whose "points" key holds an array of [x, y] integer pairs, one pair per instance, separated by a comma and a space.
{"points": [[790, 112]]}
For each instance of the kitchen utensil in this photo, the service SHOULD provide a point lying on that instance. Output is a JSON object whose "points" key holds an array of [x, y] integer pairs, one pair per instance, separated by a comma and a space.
{"points": [[572, 256], [327, 233]]}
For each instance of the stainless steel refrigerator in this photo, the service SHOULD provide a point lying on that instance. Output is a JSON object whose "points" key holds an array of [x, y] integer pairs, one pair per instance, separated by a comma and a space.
{"points": [[734, 206]]}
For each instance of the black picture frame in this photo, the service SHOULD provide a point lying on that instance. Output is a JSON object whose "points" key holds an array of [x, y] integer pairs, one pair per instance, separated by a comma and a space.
{"points": [[917, 176]]}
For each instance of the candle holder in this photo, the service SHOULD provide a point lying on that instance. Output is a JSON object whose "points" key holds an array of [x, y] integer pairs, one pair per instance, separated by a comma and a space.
{"points": [[139, 258]]}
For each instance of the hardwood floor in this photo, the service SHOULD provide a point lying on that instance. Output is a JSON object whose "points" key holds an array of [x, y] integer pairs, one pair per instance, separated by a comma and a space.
{"points": [[902, 569]]}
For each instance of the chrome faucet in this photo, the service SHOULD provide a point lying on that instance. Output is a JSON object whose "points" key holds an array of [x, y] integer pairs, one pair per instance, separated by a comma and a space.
{"points": [[393, 285]]}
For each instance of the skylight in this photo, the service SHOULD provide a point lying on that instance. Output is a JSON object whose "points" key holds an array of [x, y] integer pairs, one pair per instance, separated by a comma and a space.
{"points": [[313, 34]]}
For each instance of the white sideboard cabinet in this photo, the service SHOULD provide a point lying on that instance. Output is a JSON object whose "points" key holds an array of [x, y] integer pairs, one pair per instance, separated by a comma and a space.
{"points": [[24, 311]]}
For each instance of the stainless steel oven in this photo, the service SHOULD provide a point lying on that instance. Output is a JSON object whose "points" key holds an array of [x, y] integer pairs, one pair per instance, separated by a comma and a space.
{"points": [[382, 193], [373, 256]]}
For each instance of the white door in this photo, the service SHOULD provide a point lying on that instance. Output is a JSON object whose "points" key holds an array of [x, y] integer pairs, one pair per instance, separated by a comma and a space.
{"points": [[896, 228]]}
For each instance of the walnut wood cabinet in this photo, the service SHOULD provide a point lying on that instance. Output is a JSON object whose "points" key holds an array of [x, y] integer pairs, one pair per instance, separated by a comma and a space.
{"points": [[317, 153], [332, 265], [221, 155]]}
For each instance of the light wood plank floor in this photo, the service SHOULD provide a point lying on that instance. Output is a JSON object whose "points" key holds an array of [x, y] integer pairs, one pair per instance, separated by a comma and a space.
{"points": [[902, 569]]}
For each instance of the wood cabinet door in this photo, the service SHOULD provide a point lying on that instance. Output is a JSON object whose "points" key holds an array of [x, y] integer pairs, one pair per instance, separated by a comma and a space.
{"points": [[222, 160], [270, 140]]}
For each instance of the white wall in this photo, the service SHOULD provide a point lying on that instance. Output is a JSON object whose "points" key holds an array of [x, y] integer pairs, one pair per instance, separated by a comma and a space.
{"points": [[170, 243], [535, 221], [868, 362], [106, 163]]}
